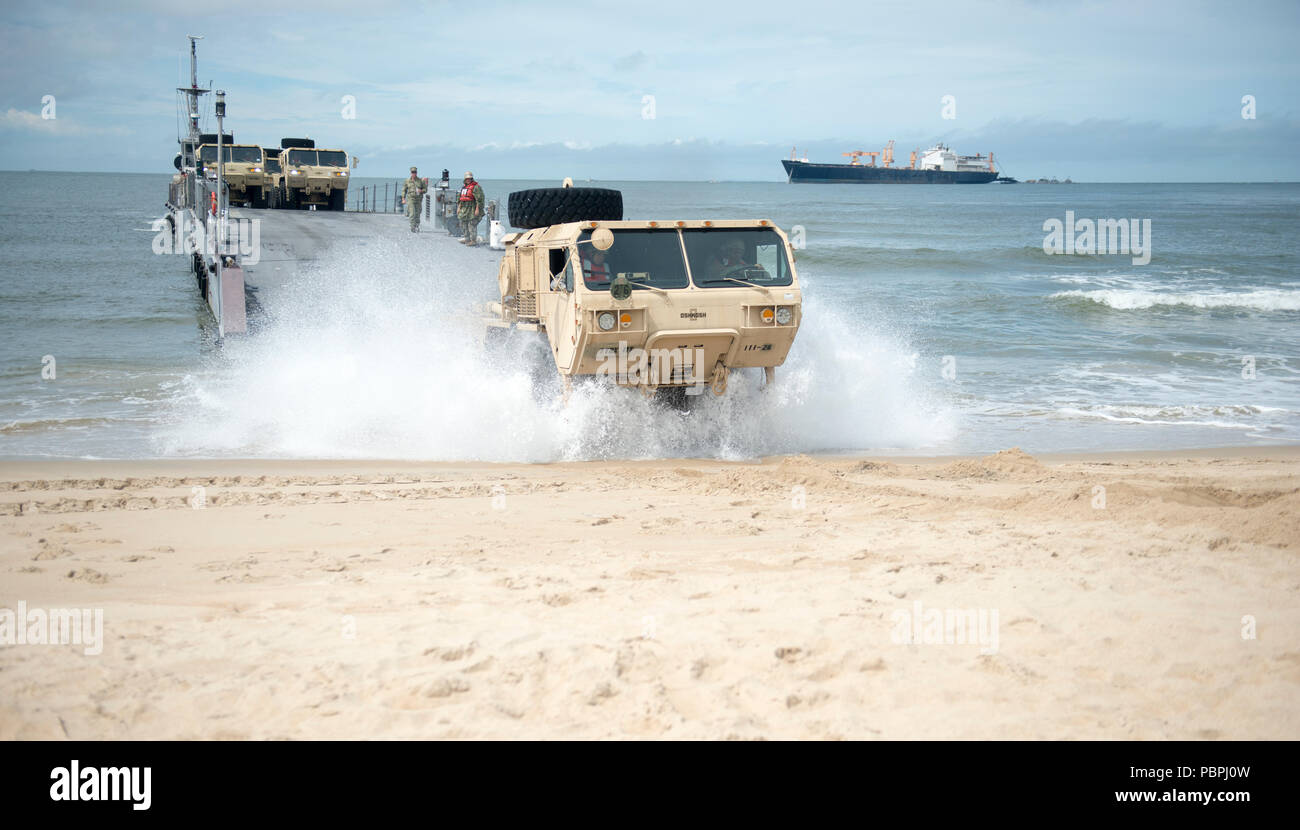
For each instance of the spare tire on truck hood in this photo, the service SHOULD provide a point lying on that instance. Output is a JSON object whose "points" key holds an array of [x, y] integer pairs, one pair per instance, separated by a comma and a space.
{"points": [[545, 206]]}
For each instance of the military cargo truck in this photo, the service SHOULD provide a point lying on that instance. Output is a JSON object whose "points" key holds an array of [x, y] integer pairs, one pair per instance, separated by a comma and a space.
{"points": [[668, 307], [244, 172], [312, 176]]}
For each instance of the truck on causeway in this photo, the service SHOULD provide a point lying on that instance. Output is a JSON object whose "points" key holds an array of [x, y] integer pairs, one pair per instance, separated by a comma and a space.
{"points": [[243, 170], [312, 176]]}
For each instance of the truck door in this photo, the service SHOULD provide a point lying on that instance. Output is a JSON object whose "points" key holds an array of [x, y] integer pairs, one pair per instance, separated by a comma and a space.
{"points": [[562, 327]]}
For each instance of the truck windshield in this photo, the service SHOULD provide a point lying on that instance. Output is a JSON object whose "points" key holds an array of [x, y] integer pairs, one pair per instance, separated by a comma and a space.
{"points": [[248, 155], [720, 258], [300, 158], [647, 257], [332, 158], [273, 165]]}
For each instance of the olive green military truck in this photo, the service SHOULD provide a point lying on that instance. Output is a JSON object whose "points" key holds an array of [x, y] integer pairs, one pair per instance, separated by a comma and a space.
{"points": [[312, 176], [667, 307], [244, 172]]}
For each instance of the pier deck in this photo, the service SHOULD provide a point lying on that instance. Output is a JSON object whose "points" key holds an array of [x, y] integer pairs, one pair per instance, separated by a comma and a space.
{"points": [[291, 241]]}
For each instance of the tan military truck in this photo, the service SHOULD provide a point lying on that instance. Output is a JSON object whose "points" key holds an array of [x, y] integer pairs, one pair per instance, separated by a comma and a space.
{"points": [[312, 176], [667, 307], [244, 172]]}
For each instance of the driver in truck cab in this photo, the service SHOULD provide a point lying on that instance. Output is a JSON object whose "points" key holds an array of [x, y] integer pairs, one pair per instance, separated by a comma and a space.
{"points": [[729, 261], [729, 257], [594, 267]]}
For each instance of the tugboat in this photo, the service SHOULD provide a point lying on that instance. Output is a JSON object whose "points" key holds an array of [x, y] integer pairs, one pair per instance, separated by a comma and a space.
{"points": [[937, 165]]}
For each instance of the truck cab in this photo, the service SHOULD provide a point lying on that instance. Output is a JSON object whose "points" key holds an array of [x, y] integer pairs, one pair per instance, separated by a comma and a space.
{"points": [[313, 176], [243, 171]]}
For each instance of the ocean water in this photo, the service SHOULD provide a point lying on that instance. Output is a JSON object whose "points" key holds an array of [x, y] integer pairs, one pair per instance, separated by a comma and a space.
{"points": [[934, 323]]}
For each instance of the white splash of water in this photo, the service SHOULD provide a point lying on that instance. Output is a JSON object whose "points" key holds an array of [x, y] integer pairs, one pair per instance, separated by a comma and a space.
{"points": [[378, 355]]}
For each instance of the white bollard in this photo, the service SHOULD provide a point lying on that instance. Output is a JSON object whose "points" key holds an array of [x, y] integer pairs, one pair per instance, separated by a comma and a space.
{"points": [[496, 236]]}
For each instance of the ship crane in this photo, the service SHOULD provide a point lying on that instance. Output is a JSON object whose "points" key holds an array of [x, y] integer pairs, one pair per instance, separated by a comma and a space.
{"points": [[887, 158], [857, 153]]}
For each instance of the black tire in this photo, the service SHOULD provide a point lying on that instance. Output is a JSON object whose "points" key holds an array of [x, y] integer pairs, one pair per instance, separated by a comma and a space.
{"points": [[291, 200], [556, 205], [675, 398], [255, 198], [337, 199]]}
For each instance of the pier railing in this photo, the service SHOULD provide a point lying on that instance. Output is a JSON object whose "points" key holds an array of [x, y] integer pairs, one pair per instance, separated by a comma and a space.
{"points": [[376, 198], [439, 204]]}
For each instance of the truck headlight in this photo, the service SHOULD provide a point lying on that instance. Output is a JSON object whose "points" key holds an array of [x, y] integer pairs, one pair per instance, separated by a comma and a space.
{"points": [[784, 314], [606, 320]]}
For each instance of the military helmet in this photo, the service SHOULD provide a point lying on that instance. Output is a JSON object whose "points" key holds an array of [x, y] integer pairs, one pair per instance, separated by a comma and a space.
{"points": [[412, 169]]}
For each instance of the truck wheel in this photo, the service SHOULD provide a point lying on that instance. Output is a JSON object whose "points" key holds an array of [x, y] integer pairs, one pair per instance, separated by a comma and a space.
{"points": [[255, 198], [675, 398], [556, 205], [337, 197], [291, 199]]}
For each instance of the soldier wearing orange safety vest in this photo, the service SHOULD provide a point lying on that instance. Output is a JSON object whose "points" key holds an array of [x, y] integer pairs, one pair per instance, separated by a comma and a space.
{"points": [[595, 267], [470, 208]]}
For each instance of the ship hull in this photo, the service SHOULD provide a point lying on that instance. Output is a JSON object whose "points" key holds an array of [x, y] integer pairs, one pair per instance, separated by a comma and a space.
{"points": [[804, 171]]}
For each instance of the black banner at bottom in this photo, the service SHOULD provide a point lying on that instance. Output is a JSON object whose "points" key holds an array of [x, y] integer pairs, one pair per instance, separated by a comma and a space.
{"points": [[333, 780]]}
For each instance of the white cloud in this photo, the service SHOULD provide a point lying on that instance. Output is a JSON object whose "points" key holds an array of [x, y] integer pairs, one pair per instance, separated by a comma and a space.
{"points": [[16, 119], [22, 120]]}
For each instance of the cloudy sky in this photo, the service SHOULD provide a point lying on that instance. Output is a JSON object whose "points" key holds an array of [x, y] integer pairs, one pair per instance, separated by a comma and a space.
{"points": [[1100, 91]]}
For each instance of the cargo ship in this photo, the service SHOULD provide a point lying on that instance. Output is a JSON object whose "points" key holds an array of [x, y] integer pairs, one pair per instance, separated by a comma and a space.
{"points": [[937, 165]]}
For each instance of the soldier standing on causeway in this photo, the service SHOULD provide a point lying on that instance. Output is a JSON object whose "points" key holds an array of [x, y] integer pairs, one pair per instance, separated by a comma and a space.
{"points": [[413, 197], [470, 208]]}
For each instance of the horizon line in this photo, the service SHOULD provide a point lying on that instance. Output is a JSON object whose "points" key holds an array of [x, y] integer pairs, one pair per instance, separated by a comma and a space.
{"points": [[678, 181]]}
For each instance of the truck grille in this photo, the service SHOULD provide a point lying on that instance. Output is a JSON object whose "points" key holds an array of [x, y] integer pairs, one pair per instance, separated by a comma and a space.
{"points": [[526, 304]]}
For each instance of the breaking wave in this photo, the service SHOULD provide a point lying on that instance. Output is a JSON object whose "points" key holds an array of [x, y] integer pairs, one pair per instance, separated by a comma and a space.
{"points": [[1131, 299]]}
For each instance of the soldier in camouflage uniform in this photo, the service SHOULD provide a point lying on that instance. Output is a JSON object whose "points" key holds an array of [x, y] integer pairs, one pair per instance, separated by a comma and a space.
{"points": [[469, 209], [413, 197]]}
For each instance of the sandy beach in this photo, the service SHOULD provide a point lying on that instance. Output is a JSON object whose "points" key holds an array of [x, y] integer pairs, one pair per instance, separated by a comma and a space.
{"points": [[1147, 596]]}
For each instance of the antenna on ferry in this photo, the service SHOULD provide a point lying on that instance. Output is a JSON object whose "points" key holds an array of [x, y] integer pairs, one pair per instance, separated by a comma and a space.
{"points": [[191, 94]]}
